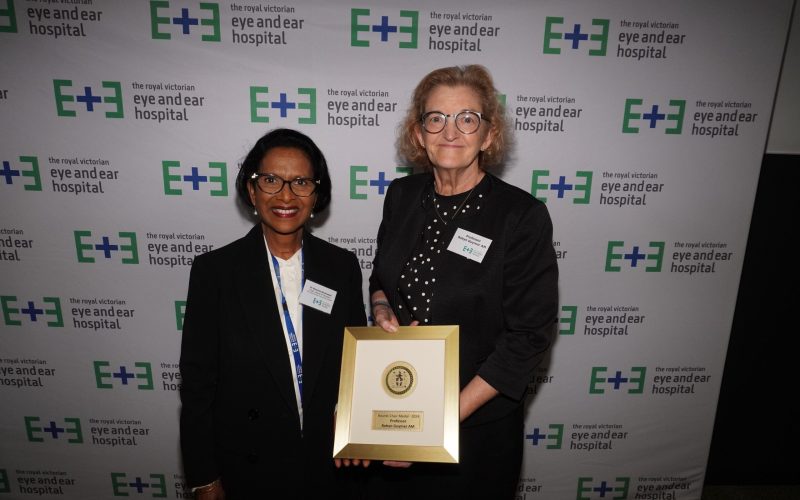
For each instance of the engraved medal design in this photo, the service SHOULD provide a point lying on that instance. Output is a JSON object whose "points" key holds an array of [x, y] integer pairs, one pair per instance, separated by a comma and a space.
{"points": [[399, 379]]}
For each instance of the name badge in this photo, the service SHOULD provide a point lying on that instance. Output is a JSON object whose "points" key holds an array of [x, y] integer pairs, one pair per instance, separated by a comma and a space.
{"points": [[317, 296], [470, 245]]}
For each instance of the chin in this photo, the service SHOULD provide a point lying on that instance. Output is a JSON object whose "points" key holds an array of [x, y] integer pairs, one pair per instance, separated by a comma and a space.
{"points": [[452, 165]]}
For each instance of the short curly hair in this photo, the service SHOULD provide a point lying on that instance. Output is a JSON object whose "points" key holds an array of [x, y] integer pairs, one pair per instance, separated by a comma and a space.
{"points": [[473, 76]]}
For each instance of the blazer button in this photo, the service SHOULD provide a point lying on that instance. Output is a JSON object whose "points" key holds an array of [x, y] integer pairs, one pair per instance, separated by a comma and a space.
{"points": [[252, 457], [252, 414]]}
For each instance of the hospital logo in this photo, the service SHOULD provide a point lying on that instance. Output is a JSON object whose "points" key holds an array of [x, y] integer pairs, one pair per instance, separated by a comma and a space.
{"points": [[8, 21], [152, 485], [590, 488], [140, 376], [618, 255], [166, 22], [22, 172], [631, 381], [362, 183], [668, 118], [46, 311], [577, 188], [567, 319], [397, 30], [180, 312], [549, 437], [215, 176], [122, 246], [300, 105], [106, 99], [68, 430], [591, 39]]}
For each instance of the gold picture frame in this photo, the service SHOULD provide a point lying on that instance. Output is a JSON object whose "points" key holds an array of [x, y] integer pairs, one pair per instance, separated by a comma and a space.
{"points": [[398, 395]]}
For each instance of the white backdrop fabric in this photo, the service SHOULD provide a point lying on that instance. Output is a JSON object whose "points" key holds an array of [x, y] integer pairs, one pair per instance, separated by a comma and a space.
{"points": [[642, 126]]}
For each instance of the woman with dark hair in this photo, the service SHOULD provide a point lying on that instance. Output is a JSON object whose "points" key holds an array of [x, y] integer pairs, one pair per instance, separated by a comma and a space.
{"points": [[262, 338], [457, 245]]}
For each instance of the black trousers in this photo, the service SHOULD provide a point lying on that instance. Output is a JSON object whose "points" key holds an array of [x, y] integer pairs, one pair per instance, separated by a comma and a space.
{"points": [[490, 457], [245, 480]]}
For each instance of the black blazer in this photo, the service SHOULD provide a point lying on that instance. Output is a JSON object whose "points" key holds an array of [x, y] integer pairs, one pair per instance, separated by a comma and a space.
{"points": [[506, 306], [237, 393]]}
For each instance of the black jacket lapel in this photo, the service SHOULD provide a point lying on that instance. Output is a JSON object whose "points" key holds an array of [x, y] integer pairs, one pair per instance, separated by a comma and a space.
{"points": [[254, 285], [316, 339]]}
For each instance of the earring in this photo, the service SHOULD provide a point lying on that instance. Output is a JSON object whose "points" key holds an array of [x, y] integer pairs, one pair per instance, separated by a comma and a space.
{"points": [[312, 216], [255, 211]]}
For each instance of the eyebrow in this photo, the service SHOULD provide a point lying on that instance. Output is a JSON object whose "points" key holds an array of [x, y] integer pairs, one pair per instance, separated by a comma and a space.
{"points": [[457, 112]]}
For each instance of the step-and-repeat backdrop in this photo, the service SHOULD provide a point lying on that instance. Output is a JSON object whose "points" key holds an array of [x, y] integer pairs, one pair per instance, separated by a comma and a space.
{"points": [[640, 124]]}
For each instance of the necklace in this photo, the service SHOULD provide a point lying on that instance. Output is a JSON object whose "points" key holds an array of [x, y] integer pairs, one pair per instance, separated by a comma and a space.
{"points": [[436, 206]]}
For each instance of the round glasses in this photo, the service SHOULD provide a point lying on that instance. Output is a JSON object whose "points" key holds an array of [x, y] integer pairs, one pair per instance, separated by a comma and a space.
{"points": [[467, 122], [272, 184]]}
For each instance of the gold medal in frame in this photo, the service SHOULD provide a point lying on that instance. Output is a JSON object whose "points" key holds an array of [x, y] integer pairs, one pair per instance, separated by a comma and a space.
{"points": [[398, 394]]}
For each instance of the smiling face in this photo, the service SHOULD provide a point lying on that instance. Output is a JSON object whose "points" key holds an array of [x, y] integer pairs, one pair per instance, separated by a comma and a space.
{"points": [[451, 148], [283, 213]]}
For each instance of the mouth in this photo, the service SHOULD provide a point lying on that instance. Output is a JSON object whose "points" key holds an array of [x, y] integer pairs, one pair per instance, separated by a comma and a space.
{"points": [[285, 212]]}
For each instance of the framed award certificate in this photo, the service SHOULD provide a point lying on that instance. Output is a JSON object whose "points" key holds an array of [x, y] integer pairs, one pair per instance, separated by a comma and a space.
{"points": [[398, 395]]}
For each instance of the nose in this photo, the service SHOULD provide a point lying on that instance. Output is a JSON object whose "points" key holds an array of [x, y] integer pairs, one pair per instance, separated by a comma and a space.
{"points": [[286, 193], [450, 131]]}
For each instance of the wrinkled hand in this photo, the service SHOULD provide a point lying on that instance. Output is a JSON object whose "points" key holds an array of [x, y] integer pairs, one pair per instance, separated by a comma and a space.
{"points": [[385, 318], [382, 314]]}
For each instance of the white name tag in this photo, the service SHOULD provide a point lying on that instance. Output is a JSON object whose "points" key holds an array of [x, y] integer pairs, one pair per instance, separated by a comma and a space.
{"points": [[317, 296], [470, 245]]}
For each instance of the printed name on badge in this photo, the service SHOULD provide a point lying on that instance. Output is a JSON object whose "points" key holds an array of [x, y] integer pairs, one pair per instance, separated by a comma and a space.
{"points": [[470, 245], [317, 296]]}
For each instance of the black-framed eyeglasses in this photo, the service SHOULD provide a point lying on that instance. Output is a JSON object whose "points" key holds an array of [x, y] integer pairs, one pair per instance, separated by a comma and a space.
{"points": [[468, 122], [272, 184]]}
